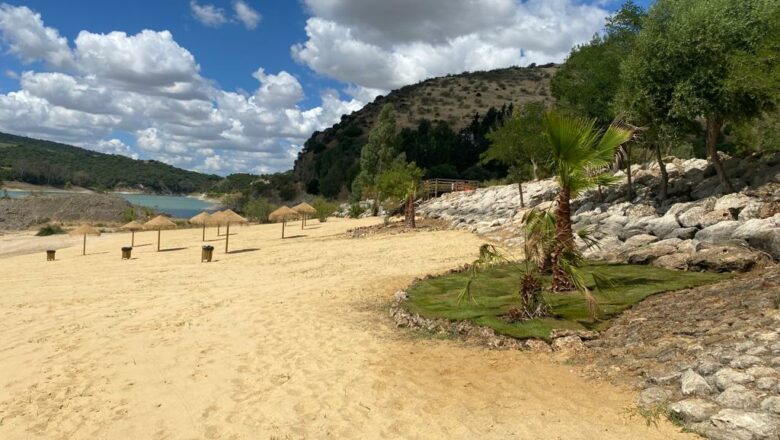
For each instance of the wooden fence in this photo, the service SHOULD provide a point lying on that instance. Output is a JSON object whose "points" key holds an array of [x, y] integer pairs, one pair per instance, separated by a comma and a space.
{"points": [[436, 187]]}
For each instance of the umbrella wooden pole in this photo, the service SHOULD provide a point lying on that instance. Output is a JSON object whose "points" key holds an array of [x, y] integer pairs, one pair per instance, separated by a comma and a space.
{"points": [[303, 220], [204, 232], [132, 238], [227, 236], [84, 248], [283, 222], [158, 239], [218, 230]]}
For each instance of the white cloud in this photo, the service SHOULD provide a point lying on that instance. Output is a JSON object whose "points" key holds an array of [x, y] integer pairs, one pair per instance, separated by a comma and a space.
{"points": [[147, 86], [246, 14], [384, 45], [209, 15], [27, 37]]}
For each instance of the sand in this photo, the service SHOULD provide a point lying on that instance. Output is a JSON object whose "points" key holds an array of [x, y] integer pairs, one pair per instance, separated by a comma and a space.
{"points": [[284, 339]]}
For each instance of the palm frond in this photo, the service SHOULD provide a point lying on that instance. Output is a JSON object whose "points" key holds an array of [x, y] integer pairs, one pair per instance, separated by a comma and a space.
{"points": [[489, 256]]}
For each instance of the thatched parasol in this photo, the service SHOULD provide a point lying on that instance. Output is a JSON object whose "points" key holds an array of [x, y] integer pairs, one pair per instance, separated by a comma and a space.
{"points": [[283, 213], [201, 219], [227, 217], [85, 230], [304, 209], [132, 227], [213, 220], [159, 223]]}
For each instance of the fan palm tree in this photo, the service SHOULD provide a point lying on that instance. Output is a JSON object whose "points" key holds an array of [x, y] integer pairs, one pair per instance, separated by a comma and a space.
{"points": [[577, 148]]}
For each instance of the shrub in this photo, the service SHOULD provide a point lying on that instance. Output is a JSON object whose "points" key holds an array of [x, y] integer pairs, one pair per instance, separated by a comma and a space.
{"points": [[355, 210], [324, 208], [50, 230], [128, 215], [258, 209]]}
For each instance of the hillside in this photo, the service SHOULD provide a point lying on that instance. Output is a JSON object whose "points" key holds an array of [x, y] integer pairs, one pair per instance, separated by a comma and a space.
{"points": [[438, 109], [50, 163]]}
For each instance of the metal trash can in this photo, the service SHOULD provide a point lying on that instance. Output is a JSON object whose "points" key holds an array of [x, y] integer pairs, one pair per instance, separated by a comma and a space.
{"points": [[50, 255], [206, 254], [126, 253]]}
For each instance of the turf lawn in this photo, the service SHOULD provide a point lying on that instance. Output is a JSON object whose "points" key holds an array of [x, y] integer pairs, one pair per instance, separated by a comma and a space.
{"points": [[496, 291]]}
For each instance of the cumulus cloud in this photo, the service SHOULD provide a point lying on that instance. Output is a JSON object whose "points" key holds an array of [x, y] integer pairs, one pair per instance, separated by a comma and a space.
{"points": [[209, 15], [246, 14], [383, 45], [149, 87]]}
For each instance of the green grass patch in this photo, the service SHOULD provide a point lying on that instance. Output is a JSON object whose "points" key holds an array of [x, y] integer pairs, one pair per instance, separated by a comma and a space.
{"points": [[50, 230], [496, 291]]}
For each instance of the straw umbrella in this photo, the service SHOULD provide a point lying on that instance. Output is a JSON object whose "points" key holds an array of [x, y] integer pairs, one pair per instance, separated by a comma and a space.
{"points": [[201, 219], [85, 230], [227, 217], [132, 227], [214, 214], [304, 209], [159, 223], [283, 213]]}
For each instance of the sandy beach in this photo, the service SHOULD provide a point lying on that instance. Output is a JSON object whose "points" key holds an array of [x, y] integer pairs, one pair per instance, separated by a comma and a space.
{"points": [[283, 339]]}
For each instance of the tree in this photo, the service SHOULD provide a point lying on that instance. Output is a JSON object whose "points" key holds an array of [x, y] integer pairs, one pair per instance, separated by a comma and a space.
{"points": [[400, 184], [683, 66], [519, 143], [588, 80], [378, 154], [577, 151]]}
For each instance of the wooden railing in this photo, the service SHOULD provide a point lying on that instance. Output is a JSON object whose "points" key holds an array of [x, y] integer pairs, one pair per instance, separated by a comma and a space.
{"points": [[436, 187]]}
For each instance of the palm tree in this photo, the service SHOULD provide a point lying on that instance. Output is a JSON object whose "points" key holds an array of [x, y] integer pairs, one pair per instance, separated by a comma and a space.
{"points": [[577, 148]]}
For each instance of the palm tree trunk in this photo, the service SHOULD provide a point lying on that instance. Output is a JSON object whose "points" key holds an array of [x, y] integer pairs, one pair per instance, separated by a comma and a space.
{"points": [[520, 189], [714, 126], [564, 238], [535, 169], [664, 175]]}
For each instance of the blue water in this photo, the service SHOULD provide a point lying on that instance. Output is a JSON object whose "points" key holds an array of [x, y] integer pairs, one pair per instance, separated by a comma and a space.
{"points": [[177, 206]]}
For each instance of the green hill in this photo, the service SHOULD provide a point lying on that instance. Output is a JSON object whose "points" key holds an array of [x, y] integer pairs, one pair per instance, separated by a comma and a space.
{"points": [[442, 122], [50, 163]]}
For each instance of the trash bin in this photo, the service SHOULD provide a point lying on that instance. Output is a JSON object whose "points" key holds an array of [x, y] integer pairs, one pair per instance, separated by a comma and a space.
{"points": [[50, 255], [206, 254], [126, 253]]}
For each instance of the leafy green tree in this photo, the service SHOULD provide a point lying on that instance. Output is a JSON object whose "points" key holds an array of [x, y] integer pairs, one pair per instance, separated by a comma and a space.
{"points": [[378, 154], [519, 144], [588, 80], [577, 149], [400, 184], [258, 209], [685, 66]]}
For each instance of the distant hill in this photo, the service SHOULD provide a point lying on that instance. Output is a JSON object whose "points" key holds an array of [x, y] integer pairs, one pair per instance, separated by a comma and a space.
{"points": [[328, 162], [50, 163]]}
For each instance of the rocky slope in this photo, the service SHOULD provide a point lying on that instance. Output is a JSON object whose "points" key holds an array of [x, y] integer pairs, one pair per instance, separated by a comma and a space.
{"points": [[26, 212], [695, 229]]}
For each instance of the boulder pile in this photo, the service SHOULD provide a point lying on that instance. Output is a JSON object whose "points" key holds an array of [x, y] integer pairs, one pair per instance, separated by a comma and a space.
{"points": [[695, 228]]}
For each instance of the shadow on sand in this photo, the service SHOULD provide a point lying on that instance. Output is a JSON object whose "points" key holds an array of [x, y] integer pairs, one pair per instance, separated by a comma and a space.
{"points": [[295, 236], [173, 249], [241, 251]]}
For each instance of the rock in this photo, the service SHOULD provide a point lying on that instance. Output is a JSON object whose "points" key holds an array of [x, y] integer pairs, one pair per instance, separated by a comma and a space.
{"points": [[401, 296], [739, 397], [568, 344], [693, 410], [692, 384], [694, 216], [718, 232], [735, 201], [751, 211], [766, 383], [537, 346], [663, 226], [731, 424], [761, 371], [724, 257], [683, 233], [647, 254], [640, 210], [674, 261], [771, 404], [728, 377], [745, 361], [763, 234], [653, 396], [708, 367], [640, 240]]}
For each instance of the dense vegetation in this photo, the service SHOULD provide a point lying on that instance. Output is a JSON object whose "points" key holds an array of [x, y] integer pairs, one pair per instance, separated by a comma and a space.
{"points": [[50, 163]]}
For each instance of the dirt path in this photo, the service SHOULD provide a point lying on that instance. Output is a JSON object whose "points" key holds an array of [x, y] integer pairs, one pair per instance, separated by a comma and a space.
{"points": [[277, 341]]}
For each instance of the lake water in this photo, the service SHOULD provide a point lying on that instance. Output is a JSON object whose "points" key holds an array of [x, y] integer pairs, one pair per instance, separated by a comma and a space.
{"points": [[177, 206]]}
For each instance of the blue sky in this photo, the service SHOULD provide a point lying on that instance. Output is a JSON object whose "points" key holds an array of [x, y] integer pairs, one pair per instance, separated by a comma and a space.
{"points": [[179, 80]]}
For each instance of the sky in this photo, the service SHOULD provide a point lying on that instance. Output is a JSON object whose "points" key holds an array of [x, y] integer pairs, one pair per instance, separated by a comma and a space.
{"points": [[224, 86]]}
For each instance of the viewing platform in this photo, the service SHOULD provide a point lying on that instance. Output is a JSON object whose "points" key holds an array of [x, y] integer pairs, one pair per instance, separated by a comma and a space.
{"points": [[436, 187]]}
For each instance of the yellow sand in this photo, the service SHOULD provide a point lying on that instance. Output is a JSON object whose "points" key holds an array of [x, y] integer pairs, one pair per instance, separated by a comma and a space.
{"points": [[288, 339]]}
